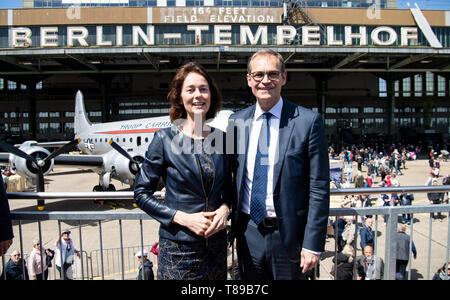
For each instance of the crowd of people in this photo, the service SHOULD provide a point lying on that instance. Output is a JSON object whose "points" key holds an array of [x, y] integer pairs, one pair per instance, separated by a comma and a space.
{"points": [[383, 169], [380, 169], [39, 260]]}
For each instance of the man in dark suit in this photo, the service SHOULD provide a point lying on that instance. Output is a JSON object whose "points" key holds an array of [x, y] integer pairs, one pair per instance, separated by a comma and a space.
{"points": [[282, 178], [6, 232]]}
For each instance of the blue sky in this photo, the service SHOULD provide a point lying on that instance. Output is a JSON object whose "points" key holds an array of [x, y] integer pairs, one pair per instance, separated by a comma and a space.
{"points": [[423, 4]]}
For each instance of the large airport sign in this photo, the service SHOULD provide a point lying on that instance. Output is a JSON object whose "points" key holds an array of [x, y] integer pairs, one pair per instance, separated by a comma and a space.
{"points": [[209, 26], [224, 34]]}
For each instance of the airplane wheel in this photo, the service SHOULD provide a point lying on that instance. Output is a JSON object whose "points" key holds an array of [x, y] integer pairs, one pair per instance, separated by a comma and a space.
{"points": [[98, 188], [111, 188]]}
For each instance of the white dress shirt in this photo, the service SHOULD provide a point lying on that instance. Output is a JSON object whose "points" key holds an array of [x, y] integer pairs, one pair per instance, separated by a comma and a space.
{"points": [[274, 124]]}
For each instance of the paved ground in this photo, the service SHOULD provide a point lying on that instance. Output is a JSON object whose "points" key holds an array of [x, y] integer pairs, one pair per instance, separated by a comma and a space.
{"points": [[64, 179]]}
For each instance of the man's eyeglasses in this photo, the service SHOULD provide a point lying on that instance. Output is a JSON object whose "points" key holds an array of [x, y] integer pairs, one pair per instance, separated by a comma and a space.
{"points": [[259, 76]]}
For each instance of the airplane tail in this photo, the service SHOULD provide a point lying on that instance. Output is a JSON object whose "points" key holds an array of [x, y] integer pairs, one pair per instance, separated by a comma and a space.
{"points": [[81, 122]]}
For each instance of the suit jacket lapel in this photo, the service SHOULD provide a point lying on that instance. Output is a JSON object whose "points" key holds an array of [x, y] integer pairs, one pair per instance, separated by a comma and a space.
{"points": [[242, 158], [288, 112]]}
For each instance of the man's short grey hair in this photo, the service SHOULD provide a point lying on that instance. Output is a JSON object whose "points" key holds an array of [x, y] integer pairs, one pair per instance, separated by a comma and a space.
{"points": [[267, 52]]}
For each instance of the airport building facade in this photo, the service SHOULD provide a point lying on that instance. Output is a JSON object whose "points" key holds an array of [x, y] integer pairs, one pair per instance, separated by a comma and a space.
{"points": [[373, 73]]}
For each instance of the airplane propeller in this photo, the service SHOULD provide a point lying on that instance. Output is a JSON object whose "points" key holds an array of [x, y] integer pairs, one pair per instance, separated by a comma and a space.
{"points": [[135, 165], [38, 163]]}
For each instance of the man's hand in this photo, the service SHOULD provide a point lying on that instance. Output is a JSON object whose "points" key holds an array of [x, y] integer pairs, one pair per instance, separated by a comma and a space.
{"points": [[308, 260]]}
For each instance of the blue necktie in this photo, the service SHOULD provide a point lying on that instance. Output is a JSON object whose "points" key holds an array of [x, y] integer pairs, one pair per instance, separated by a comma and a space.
{"points": [[259, 184]]}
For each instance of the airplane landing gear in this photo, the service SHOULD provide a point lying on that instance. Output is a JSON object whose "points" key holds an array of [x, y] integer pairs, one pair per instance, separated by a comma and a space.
{"points": [[111, 188]]}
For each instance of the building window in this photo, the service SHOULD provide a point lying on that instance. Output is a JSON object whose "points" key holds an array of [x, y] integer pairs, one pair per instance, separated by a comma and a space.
{"points": [[43, 128], [55, 127], [418, 85], [406, 87], [382, 88], [68, 127], [330, 123], [368, 110], [95, 114], [442, 122], [345, 110], [354, 123], [12, 85], [379, 122], [429, 82], [368, 123], [441, 86]]}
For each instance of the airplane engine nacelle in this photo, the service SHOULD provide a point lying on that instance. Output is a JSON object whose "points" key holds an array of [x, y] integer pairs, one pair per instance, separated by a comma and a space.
{"points": [[26, 168], [122, 168]]}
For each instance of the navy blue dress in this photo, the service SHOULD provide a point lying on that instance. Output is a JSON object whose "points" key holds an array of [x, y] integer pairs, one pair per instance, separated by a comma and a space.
{"points": [[205, 259]]}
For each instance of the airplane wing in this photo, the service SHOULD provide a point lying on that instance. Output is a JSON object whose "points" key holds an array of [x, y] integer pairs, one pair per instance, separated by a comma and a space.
{"points": [[68, 159], [79, 160], [52, 144]]}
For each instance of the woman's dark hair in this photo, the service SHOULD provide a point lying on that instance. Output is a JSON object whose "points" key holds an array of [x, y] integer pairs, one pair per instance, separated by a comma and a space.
{"points": [[177, 109]]}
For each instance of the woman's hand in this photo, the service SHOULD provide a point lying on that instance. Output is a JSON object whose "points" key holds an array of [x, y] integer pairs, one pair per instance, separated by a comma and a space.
{"points": [[218, 220], [198, 223]]}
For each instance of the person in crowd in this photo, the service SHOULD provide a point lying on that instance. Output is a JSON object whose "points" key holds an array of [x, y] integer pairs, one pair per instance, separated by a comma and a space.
{"points": [[403, 250], [345, 184], [406, 200], [367, 235], [376, 164], [65, 253], [338, 230], [282, 178], [397, 160], [359, 180], [348, 169], [198, 180], [146, 264], [372, 264], [37, 262], [343, 265], [371, 171], [359, 160], [443, 273], [435, 198], [15, 268], [6, 230], [446, 181]]}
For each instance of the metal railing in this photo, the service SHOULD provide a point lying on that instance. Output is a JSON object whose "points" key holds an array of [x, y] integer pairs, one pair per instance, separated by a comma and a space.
{"points": [[391, 214]]}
